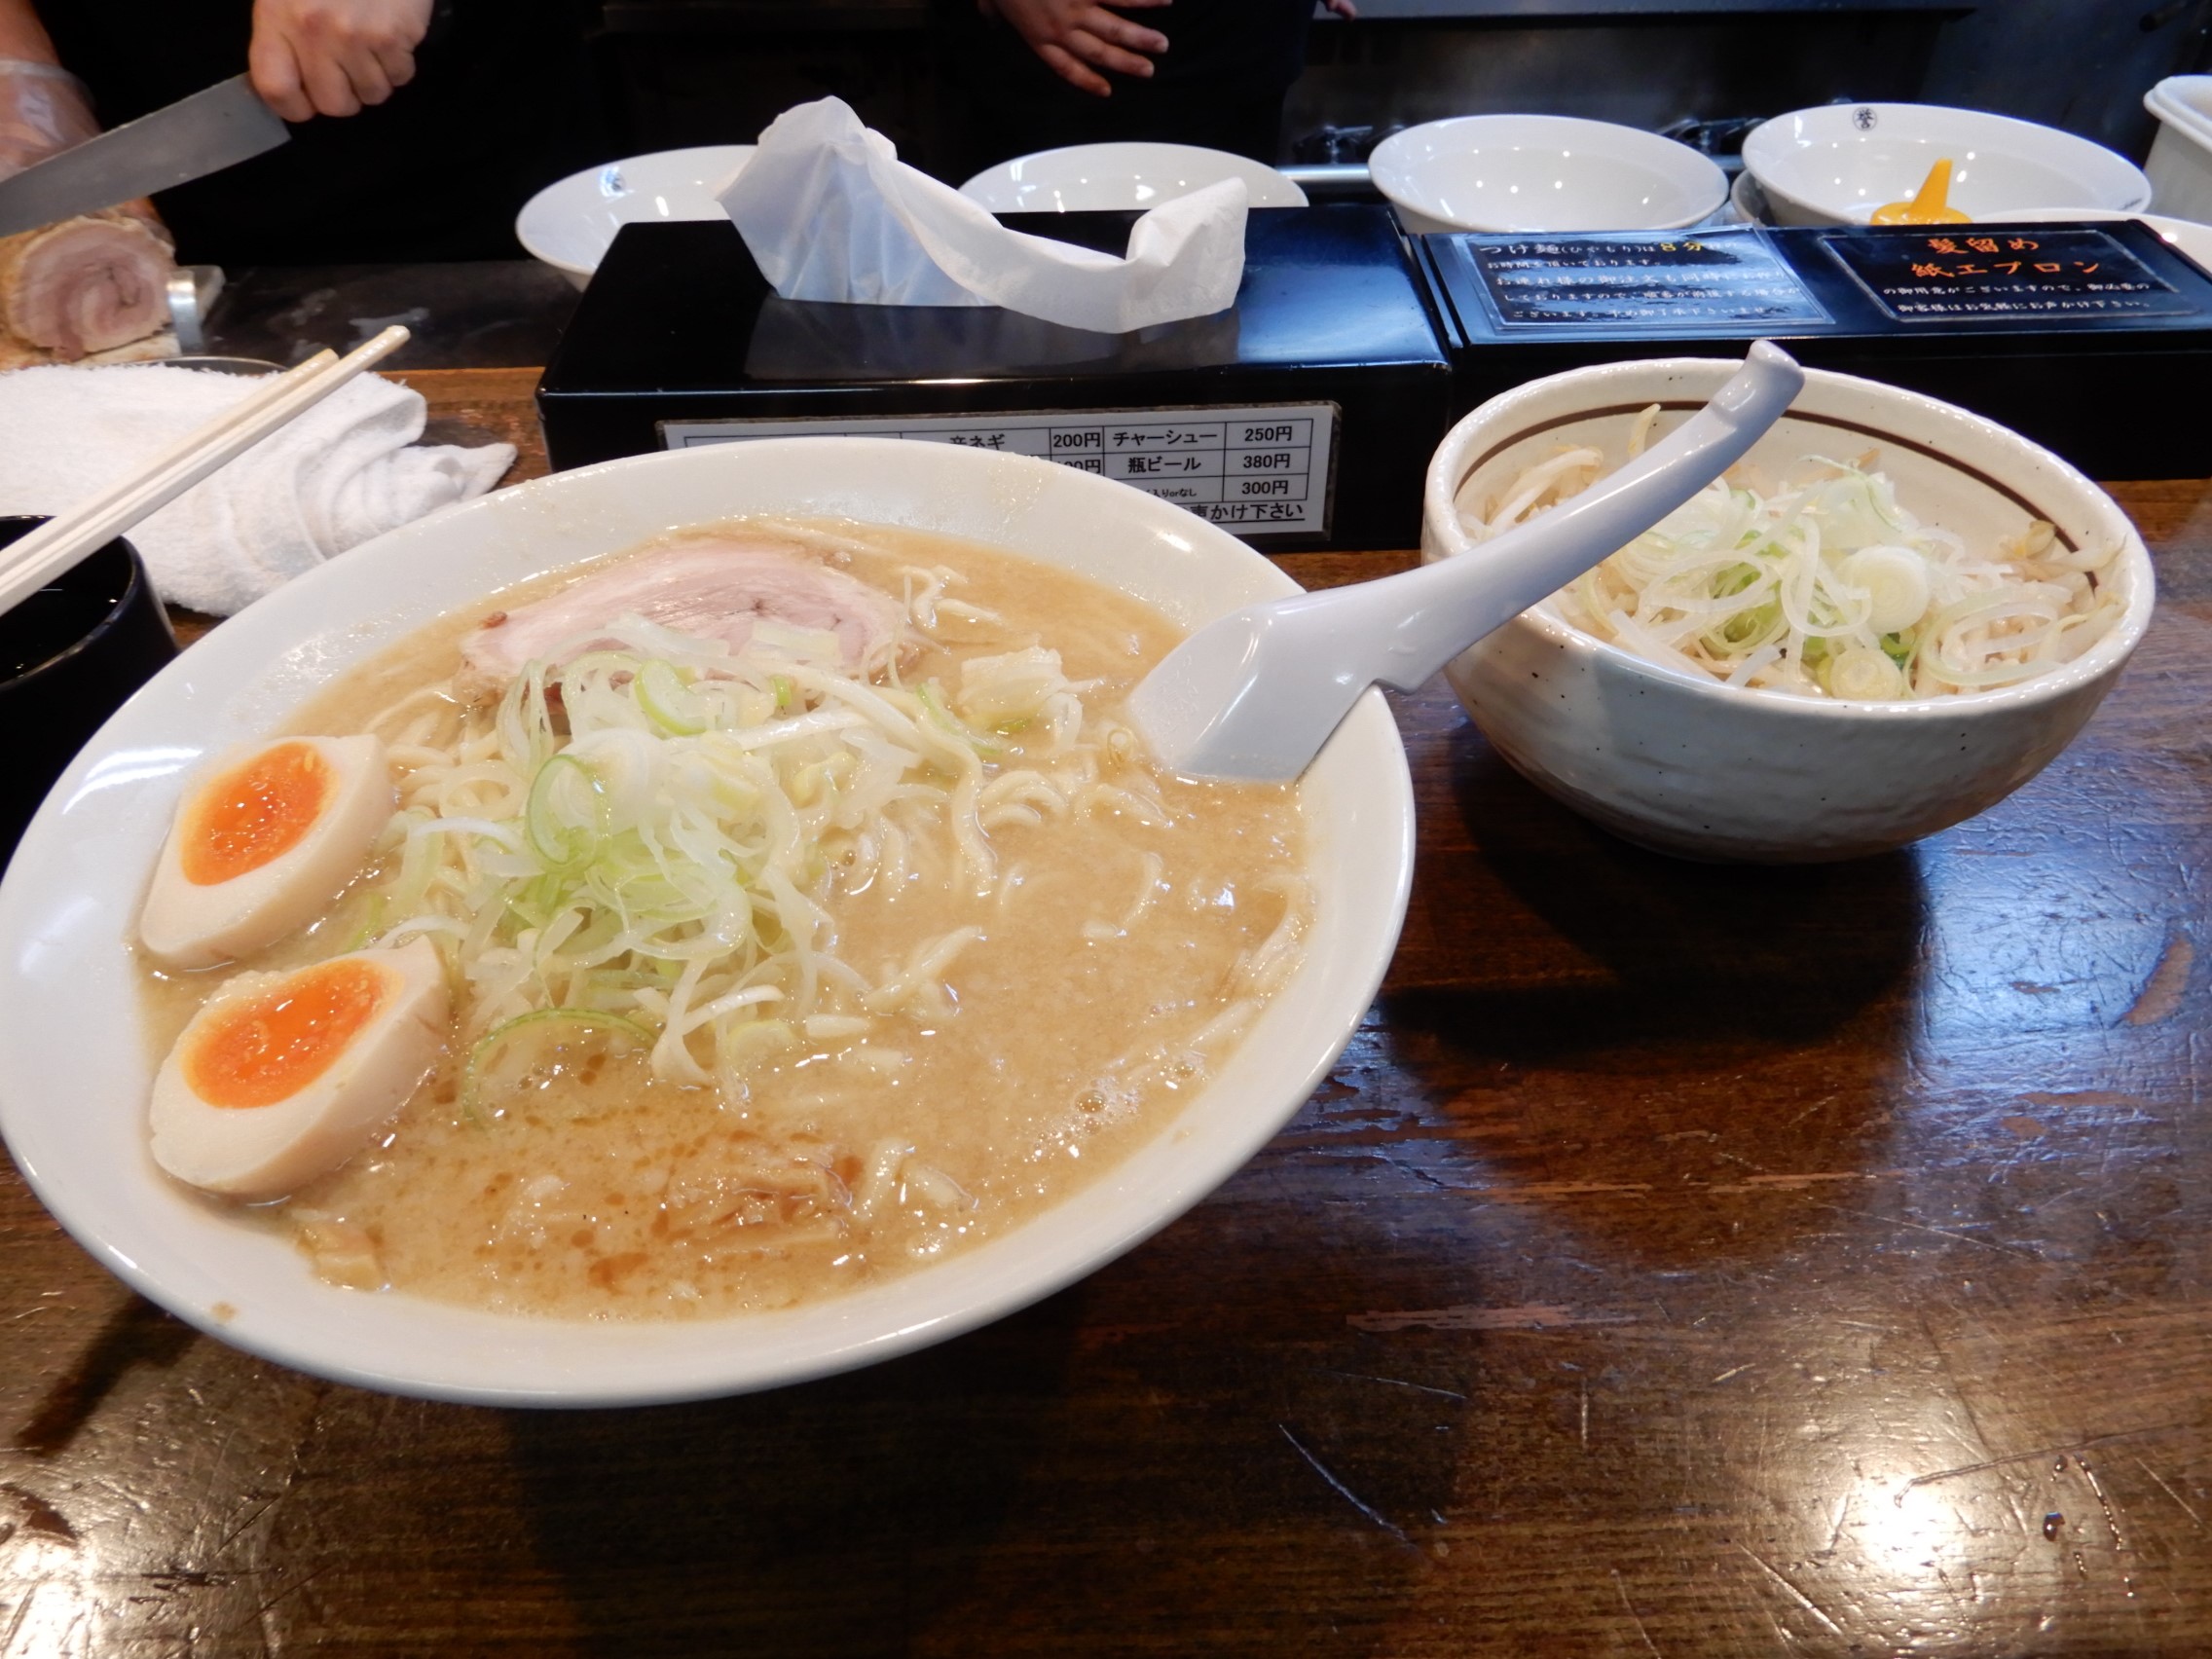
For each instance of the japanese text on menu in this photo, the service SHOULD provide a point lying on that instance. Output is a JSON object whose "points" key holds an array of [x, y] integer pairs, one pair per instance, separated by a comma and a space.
{"points": [[1262, 470], [2003, 274], [1727, 278]]}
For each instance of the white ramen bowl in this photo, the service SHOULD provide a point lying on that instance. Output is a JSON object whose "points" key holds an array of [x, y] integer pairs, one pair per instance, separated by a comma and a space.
{"points": [[571, 223], [1675, 760], [1835, 164], [1094, 178], [74, 1062], [1543, 172]]}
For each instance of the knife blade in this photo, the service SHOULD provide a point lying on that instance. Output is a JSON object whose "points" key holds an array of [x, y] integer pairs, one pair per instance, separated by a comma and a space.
{"points": [[190, 138]]}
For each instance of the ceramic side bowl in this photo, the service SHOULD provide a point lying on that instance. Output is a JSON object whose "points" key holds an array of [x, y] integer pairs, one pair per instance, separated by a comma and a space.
{"points": [[1684, 765], [74, 1064], [1089, 178], [1543, 172], [1835, 164], [571, 223]]}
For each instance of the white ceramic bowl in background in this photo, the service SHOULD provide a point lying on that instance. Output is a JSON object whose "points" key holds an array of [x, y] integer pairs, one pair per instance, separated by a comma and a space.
{"points": [[572, 224], [2179, 165], [2183, 99], [1835, 164], [1543, 172], [75, 1070], [2187, 235], [1680, 763], [1099, 179], [1746, 206]]}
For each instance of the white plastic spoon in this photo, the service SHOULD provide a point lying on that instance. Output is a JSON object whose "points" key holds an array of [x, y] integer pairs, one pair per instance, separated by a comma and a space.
{"points": [[1255, 694]]}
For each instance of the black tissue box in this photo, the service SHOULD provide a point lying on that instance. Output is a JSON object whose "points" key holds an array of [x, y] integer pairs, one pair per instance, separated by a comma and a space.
{"points": [[1302, 417]]}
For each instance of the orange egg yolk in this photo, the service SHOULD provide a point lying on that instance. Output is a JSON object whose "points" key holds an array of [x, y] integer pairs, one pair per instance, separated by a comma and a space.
{"points": [[268, 1047], [255, 813]]}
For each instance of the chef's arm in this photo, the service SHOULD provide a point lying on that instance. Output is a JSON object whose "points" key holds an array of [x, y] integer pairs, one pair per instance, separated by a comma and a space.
{"points": [[1078, 38], [313, 58], [43, 107], [22, 37], [307, 57]]}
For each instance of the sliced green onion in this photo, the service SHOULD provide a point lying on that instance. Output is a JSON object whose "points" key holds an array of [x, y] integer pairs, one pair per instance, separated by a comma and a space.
{"points": [[1767, 590], [667, 701], [564, 841], [371, 924], [931, 700], [671, 854]]}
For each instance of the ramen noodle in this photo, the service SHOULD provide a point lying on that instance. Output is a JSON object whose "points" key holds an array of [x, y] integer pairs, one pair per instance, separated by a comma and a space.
{"points": [[781, 966]]}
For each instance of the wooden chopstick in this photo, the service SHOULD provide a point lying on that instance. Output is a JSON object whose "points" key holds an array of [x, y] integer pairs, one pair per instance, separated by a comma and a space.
{"points": [[66, 539]]}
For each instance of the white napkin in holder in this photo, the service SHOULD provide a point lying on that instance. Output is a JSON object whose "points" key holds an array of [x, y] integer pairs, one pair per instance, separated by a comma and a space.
{"points": [[830, 212]]}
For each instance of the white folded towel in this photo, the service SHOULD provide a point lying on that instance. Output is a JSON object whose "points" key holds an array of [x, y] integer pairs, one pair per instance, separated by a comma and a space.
{"points": [[340, 473]]}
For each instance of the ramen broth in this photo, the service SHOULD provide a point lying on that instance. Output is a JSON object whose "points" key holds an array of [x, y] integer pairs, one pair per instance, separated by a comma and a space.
{"points": [[1114, 967]]}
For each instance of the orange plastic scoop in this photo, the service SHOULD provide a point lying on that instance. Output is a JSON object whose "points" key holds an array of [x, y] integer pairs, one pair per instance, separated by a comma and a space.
{"points": [[1932, 206]]}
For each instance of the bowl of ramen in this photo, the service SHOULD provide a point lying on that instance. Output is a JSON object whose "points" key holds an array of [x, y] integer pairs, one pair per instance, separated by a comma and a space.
{"points": [[1889, 615], [680, 926]]}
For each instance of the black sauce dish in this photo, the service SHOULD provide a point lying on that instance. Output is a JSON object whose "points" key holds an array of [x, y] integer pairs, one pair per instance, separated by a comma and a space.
{"points": [[70, 656]]}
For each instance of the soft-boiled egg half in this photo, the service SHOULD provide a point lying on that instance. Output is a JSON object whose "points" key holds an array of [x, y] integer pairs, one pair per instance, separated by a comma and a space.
{"points": [[281, 1077], [262, 842]]}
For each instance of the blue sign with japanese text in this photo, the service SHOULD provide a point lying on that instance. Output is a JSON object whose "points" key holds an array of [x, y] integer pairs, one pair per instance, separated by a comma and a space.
{"points": [[1964, 273], [1662, 282]]}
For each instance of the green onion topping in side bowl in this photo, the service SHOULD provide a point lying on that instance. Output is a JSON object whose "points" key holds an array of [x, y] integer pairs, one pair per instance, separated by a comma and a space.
{"points": [[1891, 615]]}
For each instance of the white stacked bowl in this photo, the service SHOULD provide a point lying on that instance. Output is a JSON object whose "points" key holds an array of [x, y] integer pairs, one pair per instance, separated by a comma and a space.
{"points": [[1097, 178], [1543, 172], [1835, 164], [570, 224], [2180, 162]]}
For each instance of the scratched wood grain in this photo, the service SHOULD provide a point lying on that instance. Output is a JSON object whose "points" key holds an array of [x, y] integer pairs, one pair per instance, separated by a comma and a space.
{"points": [[1680, 1262]]}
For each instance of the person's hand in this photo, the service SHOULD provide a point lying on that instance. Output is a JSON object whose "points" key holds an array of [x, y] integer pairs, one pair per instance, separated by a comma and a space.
{"points": [[313, 58], [1343, 9], [43, 109], [1078, 38]]}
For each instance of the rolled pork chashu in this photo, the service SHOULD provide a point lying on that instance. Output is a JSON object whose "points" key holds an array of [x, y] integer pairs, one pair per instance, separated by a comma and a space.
{"points": [[85, 285], [715, 587]]}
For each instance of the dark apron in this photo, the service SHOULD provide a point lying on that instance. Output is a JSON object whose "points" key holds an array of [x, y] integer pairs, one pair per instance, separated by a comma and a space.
{"points": [[1221, 83]]}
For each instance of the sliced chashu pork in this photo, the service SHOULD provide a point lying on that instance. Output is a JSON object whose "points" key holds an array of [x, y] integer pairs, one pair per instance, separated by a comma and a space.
{"points": [[712, 587], [85, 285]]}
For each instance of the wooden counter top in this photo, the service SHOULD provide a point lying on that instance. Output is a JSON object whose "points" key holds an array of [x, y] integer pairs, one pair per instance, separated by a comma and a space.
{"points": [[1682, 1261]]}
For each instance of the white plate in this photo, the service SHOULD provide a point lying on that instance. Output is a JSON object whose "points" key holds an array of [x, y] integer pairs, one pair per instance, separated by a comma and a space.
{"points": [[572, 224], [1835, 164], [74, 1070], [1098, 178], [1543, 172], [2192, 238]]}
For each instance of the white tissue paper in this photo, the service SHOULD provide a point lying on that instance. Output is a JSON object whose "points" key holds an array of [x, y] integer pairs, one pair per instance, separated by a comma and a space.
{"points": [[831, 214], [345, 470]]}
